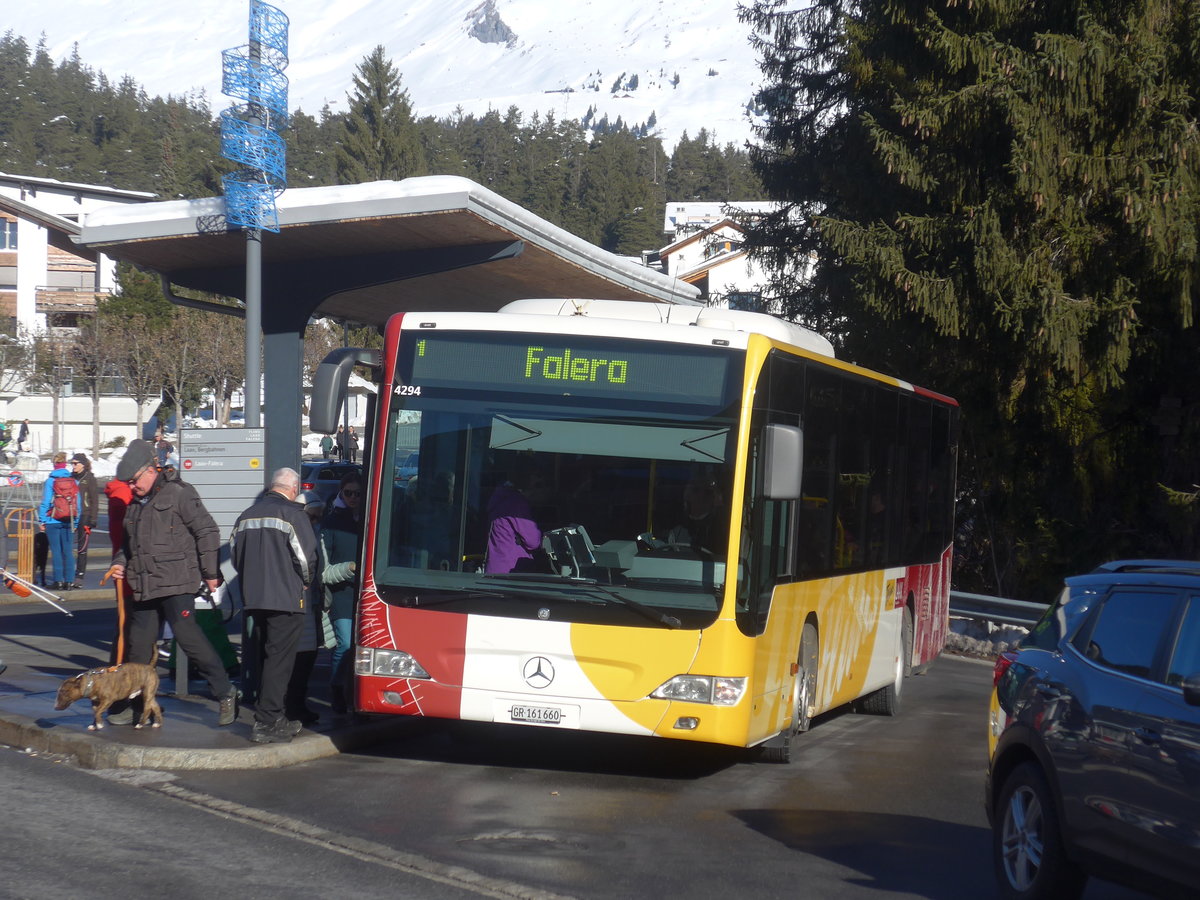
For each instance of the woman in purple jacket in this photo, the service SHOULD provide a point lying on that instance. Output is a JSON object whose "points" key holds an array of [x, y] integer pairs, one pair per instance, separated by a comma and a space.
{"points": [[513, 535]]}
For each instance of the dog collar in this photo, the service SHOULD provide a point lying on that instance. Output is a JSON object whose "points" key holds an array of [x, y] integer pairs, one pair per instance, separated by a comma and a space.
{"points": [[91, 674]]}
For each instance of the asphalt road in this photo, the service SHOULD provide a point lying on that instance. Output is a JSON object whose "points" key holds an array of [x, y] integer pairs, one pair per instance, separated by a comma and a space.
{"points": [[66, 832], [872, 807]]}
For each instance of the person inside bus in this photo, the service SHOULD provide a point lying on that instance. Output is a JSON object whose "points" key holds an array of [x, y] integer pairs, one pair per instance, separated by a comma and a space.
{"points": [[703, 527], [433, 520], [514, 538]]}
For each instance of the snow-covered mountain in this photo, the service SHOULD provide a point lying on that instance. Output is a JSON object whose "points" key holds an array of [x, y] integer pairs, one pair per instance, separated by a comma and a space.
{"points": [[688, 64]]}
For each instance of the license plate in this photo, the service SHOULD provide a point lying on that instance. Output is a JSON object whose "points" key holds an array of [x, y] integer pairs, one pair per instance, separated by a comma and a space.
{"points": [[536, 715]]}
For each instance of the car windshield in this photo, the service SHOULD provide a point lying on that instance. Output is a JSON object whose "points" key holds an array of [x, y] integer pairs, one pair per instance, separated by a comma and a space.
{"points": [[504, 501]]}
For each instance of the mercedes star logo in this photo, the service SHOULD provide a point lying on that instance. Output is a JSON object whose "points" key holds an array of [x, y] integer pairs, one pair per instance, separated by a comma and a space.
{"points": [[538, 672]]}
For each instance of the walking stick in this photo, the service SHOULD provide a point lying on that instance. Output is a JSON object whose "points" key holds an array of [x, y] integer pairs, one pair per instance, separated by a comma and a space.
{"points": [[23, 588]]}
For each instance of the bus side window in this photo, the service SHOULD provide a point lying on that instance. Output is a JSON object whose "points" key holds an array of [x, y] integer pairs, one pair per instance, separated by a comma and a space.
{"points": [[818, 526]]}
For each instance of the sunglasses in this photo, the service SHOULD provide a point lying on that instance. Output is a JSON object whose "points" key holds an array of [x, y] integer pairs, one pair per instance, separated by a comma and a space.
{"points": [[351, 493]]}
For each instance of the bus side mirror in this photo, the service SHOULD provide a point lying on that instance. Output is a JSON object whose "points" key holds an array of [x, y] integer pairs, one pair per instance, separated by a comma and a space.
{"points": [[783, 458], [329, 385]]}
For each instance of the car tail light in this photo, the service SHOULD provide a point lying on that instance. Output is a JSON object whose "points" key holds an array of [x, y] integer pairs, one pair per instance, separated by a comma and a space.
{"points": [[308, 486], [1003, 661]]}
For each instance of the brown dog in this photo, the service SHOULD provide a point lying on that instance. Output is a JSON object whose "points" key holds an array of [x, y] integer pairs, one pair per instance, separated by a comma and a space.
{"points": [[105, 686]]}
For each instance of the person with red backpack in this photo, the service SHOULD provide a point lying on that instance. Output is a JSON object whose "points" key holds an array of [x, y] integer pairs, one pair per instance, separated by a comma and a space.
{"points": [[59, 514]]}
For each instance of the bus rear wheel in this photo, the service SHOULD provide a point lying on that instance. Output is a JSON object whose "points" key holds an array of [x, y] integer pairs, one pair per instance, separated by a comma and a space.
{"points": [[886, 700], [804, 692]]}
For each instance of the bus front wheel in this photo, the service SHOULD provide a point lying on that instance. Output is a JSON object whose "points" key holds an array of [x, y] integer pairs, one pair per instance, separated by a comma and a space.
{"points": [[804, 693]]}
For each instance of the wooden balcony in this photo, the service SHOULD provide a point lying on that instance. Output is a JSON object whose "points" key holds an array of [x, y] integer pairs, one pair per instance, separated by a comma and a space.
{"points": [[59, 300]]}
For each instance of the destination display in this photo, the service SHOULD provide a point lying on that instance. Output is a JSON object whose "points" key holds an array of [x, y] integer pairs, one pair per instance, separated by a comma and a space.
{"points": [[583, 366]]}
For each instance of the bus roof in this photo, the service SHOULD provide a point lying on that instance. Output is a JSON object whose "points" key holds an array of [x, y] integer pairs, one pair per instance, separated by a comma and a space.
{"points": [[667, 314]]}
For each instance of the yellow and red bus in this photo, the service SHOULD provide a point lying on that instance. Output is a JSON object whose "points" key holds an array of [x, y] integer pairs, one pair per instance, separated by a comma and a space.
{"points": [[734, 530]]}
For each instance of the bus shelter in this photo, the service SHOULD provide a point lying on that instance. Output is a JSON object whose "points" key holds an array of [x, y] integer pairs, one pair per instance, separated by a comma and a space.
{"points": [[363, 253]]}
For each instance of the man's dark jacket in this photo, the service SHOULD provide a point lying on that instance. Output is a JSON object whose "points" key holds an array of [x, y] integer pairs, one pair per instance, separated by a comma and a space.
{"points": [[274, 549], [171, 542]]}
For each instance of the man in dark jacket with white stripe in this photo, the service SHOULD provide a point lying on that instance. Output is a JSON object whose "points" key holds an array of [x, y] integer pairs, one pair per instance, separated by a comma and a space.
{"points": [[274, 550]]}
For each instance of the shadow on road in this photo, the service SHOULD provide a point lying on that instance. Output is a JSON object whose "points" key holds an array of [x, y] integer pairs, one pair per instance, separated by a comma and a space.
{"points": [[516, 746], [909, 855]]}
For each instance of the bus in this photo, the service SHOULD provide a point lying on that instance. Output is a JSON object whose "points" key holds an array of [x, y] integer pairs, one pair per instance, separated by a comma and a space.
{"points": [[732, 530]]}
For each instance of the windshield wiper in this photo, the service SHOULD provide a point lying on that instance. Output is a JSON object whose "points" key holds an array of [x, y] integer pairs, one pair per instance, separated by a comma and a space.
{"points": [[450, 596], [650, 612]]}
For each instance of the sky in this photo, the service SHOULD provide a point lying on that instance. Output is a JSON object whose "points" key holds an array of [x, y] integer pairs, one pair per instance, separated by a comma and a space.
{"points": [[174, 47]]}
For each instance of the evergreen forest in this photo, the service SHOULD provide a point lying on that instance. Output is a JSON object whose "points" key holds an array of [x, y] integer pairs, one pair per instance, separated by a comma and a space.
{"points": [[607, 182]]}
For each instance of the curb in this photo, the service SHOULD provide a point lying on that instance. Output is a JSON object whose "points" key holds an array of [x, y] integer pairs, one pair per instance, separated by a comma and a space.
{"points": [[92, 752], [84, 594]]}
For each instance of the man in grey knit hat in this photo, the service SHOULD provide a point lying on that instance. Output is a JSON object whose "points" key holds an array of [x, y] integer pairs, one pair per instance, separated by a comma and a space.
{"points": [[169, 551]]}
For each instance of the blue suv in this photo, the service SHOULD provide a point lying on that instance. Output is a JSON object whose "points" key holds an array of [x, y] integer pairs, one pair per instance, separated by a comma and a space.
{"points": [[1095, 738]]}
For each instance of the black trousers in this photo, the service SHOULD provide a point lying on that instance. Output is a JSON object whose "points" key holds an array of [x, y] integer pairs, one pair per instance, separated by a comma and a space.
{"points": [[296, 700], [82, 539], [145, 624], [279, 633]]}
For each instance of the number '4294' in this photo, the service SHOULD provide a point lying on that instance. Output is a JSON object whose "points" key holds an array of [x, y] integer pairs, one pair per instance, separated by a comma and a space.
{"points": [[408, 390]]}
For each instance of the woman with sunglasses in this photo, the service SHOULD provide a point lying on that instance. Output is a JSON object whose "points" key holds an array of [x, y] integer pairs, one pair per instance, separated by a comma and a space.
{"points": [[340, 534]]}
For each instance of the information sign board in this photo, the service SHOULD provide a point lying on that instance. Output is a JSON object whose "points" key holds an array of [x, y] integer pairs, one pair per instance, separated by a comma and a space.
{"points": [[226, 466]]}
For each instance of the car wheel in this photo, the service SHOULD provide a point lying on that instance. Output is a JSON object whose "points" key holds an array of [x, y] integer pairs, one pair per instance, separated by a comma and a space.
{"points": [[804, 693], [1027, 846]]}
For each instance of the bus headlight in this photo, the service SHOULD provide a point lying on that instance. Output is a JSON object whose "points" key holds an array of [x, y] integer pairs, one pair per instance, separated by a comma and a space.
{"points": [[710, 689], [393, 663]]}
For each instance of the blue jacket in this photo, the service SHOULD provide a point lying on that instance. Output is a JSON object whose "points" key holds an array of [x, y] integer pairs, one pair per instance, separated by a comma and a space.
{"points": [[48, 499]]}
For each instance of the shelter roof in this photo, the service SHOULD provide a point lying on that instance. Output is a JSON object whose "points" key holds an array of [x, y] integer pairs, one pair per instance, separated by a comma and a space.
{"points": [[33, 184], [187, 240]]}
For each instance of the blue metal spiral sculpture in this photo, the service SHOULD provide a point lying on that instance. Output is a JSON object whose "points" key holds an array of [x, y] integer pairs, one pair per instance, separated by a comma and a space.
{"points": [[253, 73]]}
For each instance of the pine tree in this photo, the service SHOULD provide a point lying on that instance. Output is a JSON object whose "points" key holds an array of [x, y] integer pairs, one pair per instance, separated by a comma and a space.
{"points": [[380, 140], [311, 156], [138, 293], [1001, 199], [17, 151]]}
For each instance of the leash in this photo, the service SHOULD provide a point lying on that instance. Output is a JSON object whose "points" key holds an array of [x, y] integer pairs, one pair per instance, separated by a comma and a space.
{"points": [[119, 584]]}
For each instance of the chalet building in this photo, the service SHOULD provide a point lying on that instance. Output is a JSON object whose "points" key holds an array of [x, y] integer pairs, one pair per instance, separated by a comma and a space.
{"points": [[705, 249], [45, 280], [48, 284], [684, 218]]}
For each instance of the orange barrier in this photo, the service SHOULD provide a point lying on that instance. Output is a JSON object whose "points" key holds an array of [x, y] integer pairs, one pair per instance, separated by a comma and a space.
{"points": [[23, 530]]}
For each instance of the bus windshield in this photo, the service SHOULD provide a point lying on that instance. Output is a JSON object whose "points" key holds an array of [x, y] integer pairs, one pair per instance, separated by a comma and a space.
{"points": [[586, 500]]}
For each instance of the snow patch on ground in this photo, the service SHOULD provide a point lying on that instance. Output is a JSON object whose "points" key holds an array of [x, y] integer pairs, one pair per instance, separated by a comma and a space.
{"points": [[978, 638]]}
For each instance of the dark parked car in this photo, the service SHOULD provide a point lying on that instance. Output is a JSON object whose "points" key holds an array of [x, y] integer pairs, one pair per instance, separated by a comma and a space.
{"points": [[325, 477], [1095, 738]]}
